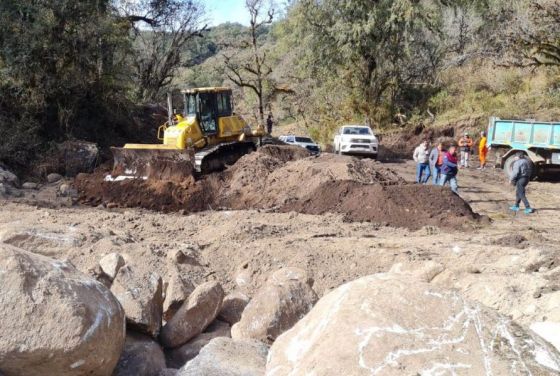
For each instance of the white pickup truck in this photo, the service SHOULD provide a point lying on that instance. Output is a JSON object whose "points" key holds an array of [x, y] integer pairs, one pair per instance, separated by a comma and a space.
{"points": [[356, 140]]}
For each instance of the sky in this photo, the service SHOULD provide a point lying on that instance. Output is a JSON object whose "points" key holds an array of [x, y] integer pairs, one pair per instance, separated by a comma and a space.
{"points": [[220, 11]]}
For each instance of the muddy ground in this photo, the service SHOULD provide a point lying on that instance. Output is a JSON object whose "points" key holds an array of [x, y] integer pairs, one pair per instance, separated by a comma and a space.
{"points": [[511, 264]]}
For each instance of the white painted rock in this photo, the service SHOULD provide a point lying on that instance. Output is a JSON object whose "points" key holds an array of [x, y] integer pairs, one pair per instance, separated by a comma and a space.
{"points": [[111, 263], [389, 324], [233, 306], [141, 295], [194, 316], [226, 357], [54, 320], [142, 356], [179, 356], [284, 299]]}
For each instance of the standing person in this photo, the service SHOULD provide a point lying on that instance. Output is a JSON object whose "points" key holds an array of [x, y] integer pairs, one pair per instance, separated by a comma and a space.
{"points": [[449, 169], [520, 176], [421, 157], [269, 123], [436, 161], [482, 150], [465, 147]]}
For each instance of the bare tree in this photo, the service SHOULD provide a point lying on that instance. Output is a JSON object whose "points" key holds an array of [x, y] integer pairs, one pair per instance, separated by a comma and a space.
{"points": [[246, 62], [161, 29]]}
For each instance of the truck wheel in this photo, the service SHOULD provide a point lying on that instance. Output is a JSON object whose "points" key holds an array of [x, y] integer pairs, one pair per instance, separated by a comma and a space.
{"points": [[508, 167]]}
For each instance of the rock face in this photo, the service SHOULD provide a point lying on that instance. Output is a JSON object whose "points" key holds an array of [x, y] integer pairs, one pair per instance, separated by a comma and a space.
{"points": [[178, 357], [194, 316], [226, 357], [141, 296], [285, 298], [55, 320], [141, 357], [233, 307], [391, 324], [110, 264]]}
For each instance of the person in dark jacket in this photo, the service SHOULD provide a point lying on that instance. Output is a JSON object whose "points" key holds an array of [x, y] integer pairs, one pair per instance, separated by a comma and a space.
{"points": [[449, 169], [520, 175], [269, 123]]}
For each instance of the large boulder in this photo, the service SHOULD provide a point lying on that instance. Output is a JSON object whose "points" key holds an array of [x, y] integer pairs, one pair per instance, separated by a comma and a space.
{"points": [[284, 299], [194, 316], [226, 357], [141, 295], [78, 156], [8, 177], [142, 356], [390, 324], [179, 287], [179, 356], [54, 320]]}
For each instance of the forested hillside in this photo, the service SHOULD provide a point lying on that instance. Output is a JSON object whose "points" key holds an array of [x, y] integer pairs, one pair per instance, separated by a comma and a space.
{"points": [[81, 69]]}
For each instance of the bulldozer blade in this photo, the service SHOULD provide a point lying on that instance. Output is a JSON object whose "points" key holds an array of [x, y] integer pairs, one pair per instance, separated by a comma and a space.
{"points": [[160, 164]]}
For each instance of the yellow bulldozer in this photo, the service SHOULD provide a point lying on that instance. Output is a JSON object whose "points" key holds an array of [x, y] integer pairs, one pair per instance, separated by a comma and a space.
{"points": [[206, 137]]}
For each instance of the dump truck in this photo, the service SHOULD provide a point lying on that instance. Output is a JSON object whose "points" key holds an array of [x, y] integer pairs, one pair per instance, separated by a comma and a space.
{"points": [[539, 141], [204, 136]]}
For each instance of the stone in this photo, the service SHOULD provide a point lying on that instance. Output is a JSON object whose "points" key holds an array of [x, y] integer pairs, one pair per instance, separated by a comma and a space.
{"points": [[178, 357], [29, 185], [168, 372], [3, 189], [66, 190], [142, 356], [53, 177], [141, 295], [178, 290], [194, 316], [226, 357], [78, 156], [8, 177], [233, 306], [283, 300], [391, 324], [178, 256], [54, 319], [110, 264]]}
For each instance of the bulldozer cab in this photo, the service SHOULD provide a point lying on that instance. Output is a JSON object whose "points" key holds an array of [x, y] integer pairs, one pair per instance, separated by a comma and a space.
{"points": [[208, 105]]}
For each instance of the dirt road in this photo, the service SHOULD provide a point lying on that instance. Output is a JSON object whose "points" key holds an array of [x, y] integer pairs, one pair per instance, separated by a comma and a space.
{"points": [[511, 264]]}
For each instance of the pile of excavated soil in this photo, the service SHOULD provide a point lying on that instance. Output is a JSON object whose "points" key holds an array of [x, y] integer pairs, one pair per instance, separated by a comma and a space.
{"points": [[286, 178]]}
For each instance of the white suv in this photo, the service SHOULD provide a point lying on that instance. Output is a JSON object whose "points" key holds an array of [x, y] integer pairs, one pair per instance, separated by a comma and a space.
{"points": [[304, 142], [356, 140]]}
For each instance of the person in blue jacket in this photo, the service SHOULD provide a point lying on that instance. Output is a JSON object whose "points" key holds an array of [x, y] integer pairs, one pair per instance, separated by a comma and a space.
{"points": [[449, 169]]}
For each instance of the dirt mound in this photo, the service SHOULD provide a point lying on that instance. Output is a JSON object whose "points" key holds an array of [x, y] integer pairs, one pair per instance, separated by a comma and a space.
{"points": [[156, 195], [411, 206], [286, 178], [267, 182]]}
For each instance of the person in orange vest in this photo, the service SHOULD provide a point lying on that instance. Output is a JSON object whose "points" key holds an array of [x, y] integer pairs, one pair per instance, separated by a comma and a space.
{"points": [[465, 147], [482, 150]]}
